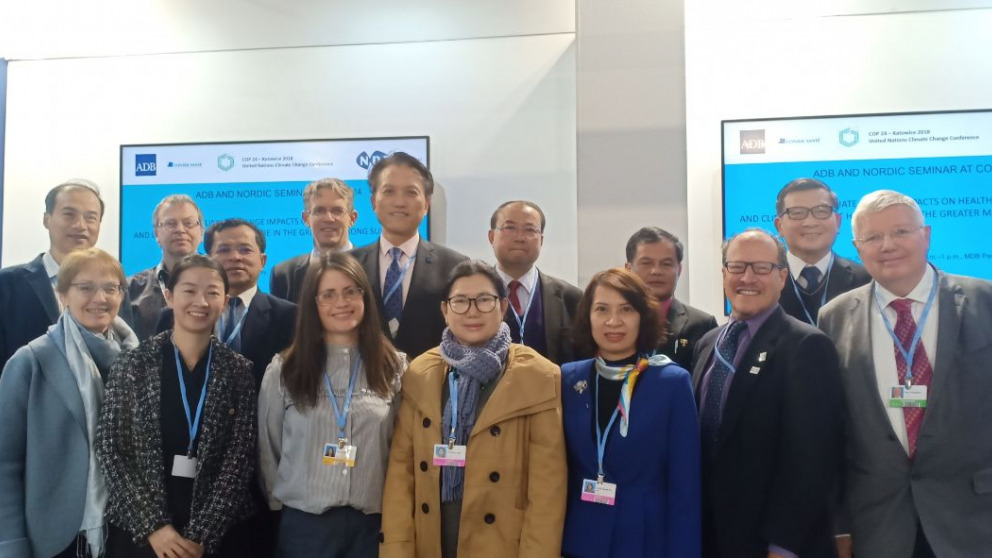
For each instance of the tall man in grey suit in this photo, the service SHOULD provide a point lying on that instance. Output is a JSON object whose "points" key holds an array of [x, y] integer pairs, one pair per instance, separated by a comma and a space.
{"points": [[329, 211], [807, 218], [541, 306], [915, 347], [655, 255], [408, 273]]}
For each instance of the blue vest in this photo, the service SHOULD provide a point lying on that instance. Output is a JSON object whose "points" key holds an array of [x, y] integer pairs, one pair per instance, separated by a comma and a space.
{"points": [[536, 338]]}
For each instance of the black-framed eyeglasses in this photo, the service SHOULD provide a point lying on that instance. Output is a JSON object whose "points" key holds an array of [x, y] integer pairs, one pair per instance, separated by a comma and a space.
{"points": [[484, 303], [759, 268], [798, 213], [330, 296], [89, 289]]}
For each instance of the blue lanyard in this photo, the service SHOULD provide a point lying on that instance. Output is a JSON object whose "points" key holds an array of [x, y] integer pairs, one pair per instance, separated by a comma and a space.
{"points": [[194, 423], [601, 437], [823, 297], [522, 322], [453, 398], [399, 280], [341, 415], [909, 354], [716, 351], [237, 329]]}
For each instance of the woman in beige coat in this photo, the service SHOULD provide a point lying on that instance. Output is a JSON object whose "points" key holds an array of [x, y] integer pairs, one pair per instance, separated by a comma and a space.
{"points": [[505, 495]]}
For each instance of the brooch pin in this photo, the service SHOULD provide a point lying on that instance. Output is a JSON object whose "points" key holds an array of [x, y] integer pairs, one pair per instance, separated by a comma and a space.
{"points": [[581, 386], [684, 342]]}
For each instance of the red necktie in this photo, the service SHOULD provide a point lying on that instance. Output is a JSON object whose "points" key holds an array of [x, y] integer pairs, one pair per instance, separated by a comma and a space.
{"points": [[514, 301], [922, 372]]}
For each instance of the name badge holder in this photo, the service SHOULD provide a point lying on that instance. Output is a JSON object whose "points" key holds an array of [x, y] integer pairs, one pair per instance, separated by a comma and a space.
{"points": [[599, 491], [451, 454], [185, 466], [908, 395], [343, 452]]}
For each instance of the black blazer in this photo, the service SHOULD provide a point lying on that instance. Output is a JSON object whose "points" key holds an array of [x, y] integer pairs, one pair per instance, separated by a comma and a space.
{"points": [[147, 300], [268, 330], [779, 446], [286, 281], [422, 323], [28, 306], [560, 300], [845, 275], [685, 326]]}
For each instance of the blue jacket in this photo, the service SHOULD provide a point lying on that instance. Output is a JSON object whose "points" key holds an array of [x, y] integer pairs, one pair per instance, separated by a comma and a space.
{"points": [[655, 468]]}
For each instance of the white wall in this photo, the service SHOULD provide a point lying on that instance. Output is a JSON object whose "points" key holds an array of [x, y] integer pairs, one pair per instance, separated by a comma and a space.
{"points": [[800, 66]]}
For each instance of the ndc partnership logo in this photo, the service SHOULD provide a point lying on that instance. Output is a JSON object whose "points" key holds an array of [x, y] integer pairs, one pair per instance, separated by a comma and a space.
{"points": [[145, 165], [848, 137], [225, 162], [367, 161], [752, 142]]}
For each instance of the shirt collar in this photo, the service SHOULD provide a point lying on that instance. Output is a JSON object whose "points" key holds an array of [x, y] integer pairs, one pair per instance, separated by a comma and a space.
{"points": [[755, 322], [409, 247], [315, 253], [248, 295], [51, 266], [527, 280], [920, 293], [796, 264]]}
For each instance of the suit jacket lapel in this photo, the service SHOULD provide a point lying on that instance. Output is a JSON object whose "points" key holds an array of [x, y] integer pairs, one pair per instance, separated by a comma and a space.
{"points": [[862, 363], [552, 302], [42, 285], [705, 351], [677, 320], [54, 367], [952, 302], [253, 332], [840, 279]]}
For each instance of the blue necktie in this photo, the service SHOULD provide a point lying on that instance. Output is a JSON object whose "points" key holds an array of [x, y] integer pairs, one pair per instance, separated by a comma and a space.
{"points": [[394, 304], [709, 422], [230, 322], [812, 276]]}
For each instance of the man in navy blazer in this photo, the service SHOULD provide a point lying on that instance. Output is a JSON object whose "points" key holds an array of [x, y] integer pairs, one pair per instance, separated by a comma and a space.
{"points": [[807, 218], [414, 270], [771, 417], [73, 213], [329, 211]]}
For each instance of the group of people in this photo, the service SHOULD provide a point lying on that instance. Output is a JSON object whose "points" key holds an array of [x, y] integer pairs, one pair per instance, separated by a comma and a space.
{"points": [[400, 399]]}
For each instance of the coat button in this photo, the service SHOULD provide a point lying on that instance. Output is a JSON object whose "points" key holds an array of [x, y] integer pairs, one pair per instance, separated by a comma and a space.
{"points": [[425, 508], [382, 538], [490, 518], [230, 411], [427, 423], [495, 431], [423, 466], [494, 476]]}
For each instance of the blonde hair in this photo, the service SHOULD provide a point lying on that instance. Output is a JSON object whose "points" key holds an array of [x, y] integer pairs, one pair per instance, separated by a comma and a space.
{"points": [[336, 185], [880, 199], [77, 261]]}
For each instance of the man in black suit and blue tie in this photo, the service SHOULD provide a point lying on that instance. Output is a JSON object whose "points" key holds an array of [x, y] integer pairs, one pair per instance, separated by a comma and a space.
{"points": [[408, 274], [807, 218]]}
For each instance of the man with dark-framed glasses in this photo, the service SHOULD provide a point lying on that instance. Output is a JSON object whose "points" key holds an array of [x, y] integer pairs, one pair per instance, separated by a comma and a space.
{"points": [[807, 219]]}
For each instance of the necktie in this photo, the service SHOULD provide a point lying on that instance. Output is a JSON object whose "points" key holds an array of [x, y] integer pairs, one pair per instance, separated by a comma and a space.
{"points": [[812, 276], [711, 415], [391, 288], [231, 322], [514, 299], [922, 372]]}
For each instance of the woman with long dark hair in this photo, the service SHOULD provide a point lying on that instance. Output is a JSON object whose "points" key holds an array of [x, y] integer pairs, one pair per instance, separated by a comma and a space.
{"points": [[326, 411]]}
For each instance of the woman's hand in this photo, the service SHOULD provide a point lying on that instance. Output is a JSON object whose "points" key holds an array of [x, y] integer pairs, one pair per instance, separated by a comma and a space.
{"points": [[168, 543]]}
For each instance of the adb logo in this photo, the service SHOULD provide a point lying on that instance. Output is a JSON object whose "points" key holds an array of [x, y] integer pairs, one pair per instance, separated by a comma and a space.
{"points": [[752, 142], [848, 137], [367, 161], [144, 164]]}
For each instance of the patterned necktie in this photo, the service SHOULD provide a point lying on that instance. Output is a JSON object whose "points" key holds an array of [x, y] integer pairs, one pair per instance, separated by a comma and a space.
{"points": [[922, 372], [514, 299], [812, 276], [230, 322], [711, 414], [394, 303]]}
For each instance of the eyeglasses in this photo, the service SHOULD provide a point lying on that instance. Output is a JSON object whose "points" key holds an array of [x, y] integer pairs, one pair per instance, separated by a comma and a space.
{"points": [[173, 224], [483, 303], [799, 213], [526, 232], [336, 212], [89, 289], [759, 268], [244, 251], [330, 296], [875, 240]]}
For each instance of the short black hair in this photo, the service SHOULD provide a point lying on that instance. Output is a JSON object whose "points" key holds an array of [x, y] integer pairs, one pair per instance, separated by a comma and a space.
{"points": [[803, 185], [217, 226], [80, 183], [191, 261], [475, 267], [650, 235], [532, 205], [401, 159]]}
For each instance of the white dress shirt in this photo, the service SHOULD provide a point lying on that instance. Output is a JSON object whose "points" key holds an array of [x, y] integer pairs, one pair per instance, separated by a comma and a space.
{"points": [[52, 269], [409, 249], [528, 282], [796, 266]]}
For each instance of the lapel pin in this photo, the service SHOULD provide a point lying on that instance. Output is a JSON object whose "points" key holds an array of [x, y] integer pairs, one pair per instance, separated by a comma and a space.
{"points": [[581, 386], [755, 370], [684, 342], [762, 357]]}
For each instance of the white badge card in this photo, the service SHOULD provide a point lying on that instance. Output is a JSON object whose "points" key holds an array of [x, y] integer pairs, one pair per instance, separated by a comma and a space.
{"points": [[183, 466], [901, 396], [334, 454], [449, 456], [599, 492]]}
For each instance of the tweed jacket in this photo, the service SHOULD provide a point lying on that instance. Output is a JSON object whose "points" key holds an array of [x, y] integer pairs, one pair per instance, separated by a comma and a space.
{"points": [[129, 445]]}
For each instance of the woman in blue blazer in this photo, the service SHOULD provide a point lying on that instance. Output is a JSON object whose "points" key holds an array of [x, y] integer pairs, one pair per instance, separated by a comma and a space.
{"points": [[631, 431]]}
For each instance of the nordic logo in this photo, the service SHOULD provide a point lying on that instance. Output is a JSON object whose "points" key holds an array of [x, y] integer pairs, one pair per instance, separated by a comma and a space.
{"points": [[848, 137], [367, 161], [144, 164], [225, 162]]}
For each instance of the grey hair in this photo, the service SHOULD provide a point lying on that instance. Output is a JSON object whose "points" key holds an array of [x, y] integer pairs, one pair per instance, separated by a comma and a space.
{"points": [[175, 199], [780, 248], [880, 199]]}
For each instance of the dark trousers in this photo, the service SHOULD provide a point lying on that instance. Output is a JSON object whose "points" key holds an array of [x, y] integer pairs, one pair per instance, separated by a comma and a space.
{"points": [[337, 533], [78, 549]]}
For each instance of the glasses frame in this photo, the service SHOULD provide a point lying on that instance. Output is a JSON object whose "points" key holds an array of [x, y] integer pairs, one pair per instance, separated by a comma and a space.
{"points": [[877, 240], [83, 287], [473, 300], [774, 266], [174, 226], [807, 211], [514, 230], [343, 295]]}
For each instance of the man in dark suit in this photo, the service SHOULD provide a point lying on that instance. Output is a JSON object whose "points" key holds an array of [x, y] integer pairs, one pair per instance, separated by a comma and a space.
{"points": [[178, 224], [329, 211], [73, 213], [254, 324], [771, 416], [655, 255], [807, 218], [408, 274], [541, 305], [918, 481]]}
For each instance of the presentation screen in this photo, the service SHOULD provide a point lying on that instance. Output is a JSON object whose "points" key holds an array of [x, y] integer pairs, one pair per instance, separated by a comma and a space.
{"points": [[942, 159], [261, 182]]}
